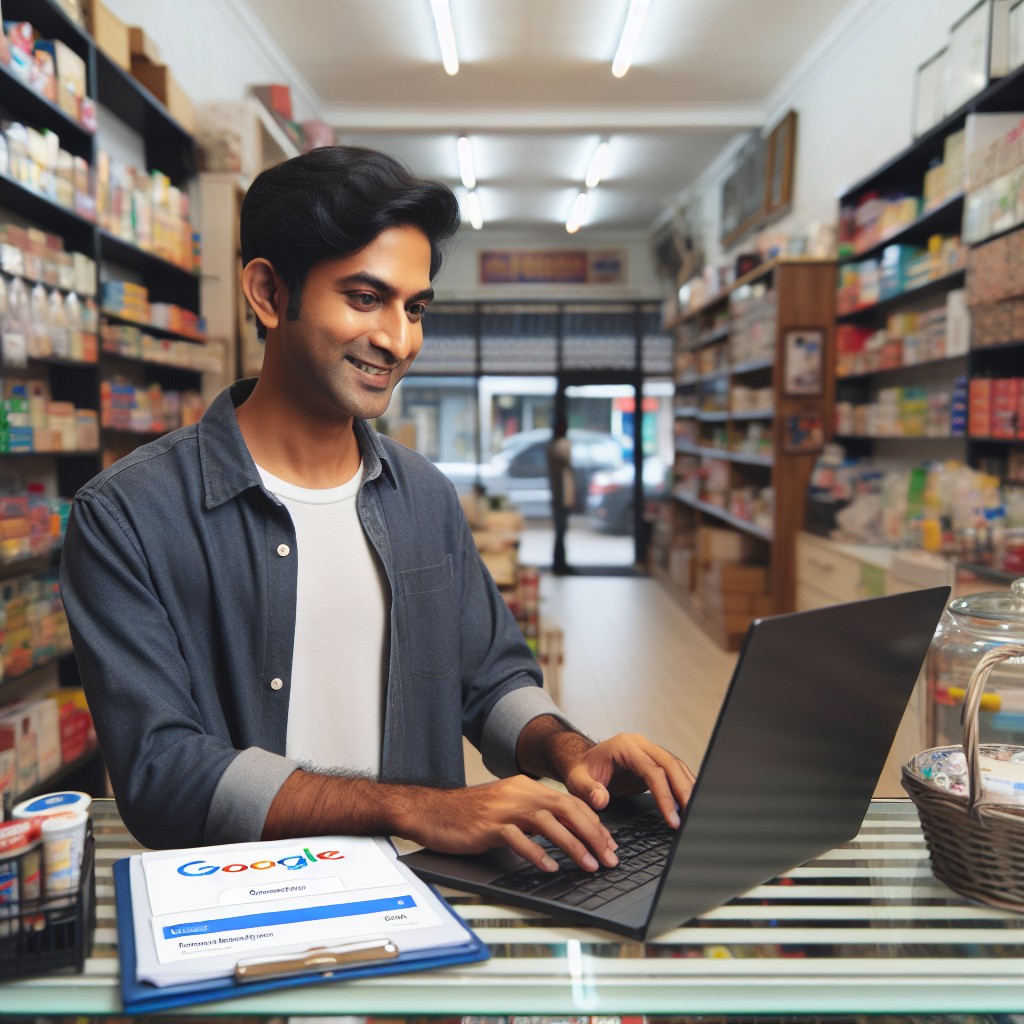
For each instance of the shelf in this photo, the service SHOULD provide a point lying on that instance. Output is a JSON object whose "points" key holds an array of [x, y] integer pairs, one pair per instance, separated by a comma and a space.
{"points": [[157, 332], [63, 453], [49, 21], [155, 364], [687, 380], [686, 412], [12, 681], [988, 572], [753, 414], [47, 213], [900, 437], [752, 460], [81, 364], [25, 103], [712, 417], [949, 214], [49, 784], [711, 337], [720, 513], [1016, 441], [840, 378], [714, 375], [890, 302], [28, 567], [727, 455], [117, 250], [752, 366]]}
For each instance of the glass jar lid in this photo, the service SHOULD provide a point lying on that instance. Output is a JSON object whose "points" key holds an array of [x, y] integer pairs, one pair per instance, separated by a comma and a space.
{"points": [[999, 606]]}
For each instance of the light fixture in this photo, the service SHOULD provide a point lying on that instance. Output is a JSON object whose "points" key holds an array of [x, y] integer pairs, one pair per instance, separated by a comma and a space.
{"points": [[577, 213], [445, 35], [466, 163], [476, 216], [630, 33], [598, 166]]}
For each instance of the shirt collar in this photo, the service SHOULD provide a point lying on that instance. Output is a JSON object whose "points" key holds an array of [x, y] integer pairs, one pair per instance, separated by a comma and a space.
{"points": [[228, 468]]}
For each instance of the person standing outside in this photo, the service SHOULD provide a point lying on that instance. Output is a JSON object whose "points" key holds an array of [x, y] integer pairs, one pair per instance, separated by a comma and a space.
{"points": [[563, 490], [280, 618]]}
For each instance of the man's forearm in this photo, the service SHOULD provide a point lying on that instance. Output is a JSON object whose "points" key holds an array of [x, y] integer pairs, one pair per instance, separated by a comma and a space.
{"points": [[548, 748], [311, 804]]}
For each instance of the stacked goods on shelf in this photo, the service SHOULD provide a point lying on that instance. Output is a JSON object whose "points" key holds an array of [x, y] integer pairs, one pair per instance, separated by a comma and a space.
{"points": [[993, 202], [31, 525], [150, 71], [50, 68], [35, 629], [996, 408], [128, 301], [40, 258], [899, 269], [38, 737], [35, 160], [909, 338], [41, 323], [731, 584], [145, 210], [31, 421], [147, 410], [995, 291]]}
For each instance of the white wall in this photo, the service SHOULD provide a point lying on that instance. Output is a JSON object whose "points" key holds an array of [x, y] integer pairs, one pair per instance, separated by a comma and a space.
{"points": [[216, 49], [854, 102]]}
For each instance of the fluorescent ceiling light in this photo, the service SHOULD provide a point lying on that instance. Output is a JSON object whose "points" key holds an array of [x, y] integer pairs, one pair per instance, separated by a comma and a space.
{"points": [[466, 163], [445, 35], [598, 165], [577, 213], [630, 34], [476, 216]]}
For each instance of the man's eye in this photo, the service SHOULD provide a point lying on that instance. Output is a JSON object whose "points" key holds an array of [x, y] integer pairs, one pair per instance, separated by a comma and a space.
{"points": [[366, 299], [417, 311]]}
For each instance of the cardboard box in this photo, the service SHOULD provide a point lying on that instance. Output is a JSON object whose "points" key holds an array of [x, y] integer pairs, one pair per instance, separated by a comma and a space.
{"points": [[717, 545], [734, 578], [110, 33], [142, 46], [157, 78]]}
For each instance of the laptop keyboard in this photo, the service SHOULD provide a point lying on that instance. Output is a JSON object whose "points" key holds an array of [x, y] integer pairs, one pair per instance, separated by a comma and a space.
{"points": [[643, 849]]}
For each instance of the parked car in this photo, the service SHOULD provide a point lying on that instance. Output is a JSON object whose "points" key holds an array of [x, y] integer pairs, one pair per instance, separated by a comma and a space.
{"points": [[610, 497], [518, 471]]}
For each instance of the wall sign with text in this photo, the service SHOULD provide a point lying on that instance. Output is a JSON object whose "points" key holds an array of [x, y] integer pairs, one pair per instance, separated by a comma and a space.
{"points": [[545, 266]]}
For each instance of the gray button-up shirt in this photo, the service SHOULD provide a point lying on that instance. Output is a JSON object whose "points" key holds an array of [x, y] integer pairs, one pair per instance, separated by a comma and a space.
{"points": [[179, 580]]}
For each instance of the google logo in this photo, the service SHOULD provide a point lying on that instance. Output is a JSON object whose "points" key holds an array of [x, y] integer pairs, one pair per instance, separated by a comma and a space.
{"points": [[294, 861]]}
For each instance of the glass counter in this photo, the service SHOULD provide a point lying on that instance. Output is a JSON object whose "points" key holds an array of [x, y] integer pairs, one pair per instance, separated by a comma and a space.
{"points": [[863, 929]]}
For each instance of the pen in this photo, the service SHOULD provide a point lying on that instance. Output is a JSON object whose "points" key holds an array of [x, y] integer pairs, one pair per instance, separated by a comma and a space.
{"points": [[320, 960]]}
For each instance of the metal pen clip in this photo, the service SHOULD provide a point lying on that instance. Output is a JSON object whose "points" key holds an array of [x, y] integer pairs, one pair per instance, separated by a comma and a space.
{"points": [[323, 960]]}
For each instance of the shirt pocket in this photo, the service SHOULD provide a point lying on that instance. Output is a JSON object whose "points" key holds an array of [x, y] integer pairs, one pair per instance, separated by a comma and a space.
{"points": [[432, 622]]}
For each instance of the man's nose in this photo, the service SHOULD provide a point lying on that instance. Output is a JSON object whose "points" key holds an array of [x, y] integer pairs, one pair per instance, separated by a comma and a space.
{"points": [[394, 334]]}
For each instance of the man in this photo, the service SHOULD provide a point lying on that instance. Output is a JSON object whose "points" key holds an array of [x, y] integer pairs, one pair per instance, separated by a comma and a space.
{"points": [[280, 618], [563, 490]]}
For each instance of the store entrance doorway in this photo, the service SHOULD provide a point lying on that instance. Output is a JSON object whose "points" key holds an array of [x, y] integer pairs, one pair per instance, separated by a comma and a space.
{"points": [[603, 536]]}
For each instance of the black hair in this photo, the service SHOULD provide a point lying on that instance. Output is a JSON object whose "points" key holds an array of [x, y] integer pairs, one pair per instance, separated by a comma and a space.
{"points": [[332, 202]]}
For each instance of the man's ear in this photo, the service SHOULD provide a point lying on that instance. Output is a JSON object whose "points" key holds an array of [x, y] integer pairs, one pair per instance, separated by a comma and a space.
{"points": [[265, 291]]}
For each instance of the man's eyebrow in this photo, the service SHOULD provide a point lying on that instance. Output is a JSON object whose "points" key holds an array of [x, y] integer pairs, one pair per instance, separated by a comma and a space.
{"points": [[388, 291]]}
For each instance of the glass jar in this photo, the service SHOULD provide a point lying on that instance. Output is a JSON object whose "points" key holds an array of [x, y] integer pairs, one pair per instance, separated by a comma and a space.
{"points": [[970, 628]]}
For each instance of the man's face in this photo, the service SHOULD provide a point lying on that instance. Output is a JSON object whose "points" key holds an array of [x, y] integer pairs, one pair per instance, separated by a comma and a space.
{"points": [[359, 326]]}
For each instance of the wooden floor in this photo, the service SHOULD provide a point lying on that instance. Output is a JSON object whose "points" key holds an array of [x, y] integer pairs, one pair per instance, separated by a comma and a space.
{"points": [[634, 662]]}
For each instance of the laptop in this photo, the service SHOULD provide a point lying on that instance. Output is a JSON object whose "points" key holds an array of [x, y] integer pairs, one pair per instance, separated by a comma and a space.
{"points": [[801, 739]]}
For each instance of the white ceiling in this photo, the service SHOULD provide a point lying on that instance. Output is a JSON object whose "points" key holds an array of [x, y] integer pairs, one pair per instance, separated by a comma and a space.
{"points": [[535, 92]]}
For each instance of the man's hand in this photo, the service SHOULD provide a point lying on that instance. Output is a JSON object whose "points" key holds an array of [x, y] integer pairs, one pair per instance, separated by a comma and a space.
{"points": [[625, 765], [628, 764], [507, 813]]}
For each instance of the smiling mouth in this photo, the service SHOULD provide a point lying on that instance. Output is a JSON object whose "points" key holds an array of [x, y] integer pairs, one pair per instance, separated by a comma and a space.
{"points": [[374, 371]]}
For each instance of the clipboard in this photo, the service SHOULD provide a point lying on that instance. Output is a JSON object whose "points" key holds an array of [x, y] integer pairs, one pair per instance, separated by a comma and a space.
{"points": [[315, 967]]}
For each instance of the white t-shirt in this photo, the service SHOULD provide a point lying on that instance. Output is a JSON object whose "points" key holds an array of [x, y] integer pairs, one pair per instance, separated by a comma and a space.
{"points": [[339, 663]]}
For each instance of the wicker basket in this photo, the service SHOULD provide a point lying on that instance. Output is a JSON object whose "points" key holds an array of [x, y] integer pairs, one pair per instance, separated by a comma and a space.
{"points": [[976, 842]]}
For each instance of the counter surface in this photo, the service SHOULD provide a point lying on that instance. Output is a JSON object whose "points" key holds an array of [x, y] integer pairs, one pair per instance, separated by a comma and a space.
{"points": [[864, 928]]}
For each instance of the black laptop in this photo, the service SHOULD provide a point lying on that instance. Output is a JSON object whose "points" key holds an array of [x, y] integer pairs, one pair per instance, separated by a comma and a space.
{"points": [[800, 742]]}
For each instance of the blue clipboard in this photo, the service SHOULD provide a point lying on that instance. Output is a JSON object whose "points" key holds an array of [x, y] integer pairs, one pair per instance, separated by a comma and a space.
{"points": [[143, 997]]}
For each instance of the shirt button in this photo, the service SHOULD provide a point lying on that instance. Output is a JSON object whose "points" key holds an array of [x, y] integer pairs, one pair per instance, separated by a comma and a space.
{"points": [[276, 684], [283, 550]]}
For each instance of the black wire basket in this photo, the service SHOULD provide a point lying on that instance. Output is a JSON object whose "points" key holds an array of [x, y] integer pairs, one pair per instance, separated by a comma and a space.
{"points": [[54, 932]]}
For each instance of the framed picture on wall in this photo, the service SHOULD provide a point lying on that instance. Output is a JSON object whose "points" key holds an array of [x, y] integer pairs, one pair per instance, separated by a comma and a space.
{"points": [[803, 431], [779, 172], [1015, 34], [803, 366], [967, 56], [929, 93]]}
